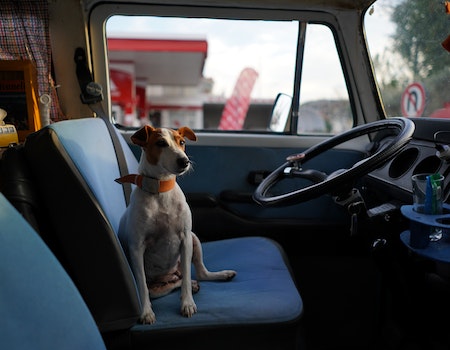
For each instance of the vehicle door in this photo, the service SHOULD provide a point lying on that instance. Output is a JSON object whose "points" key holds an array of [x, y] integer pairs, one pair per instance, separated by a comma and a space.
{"points": [[221, 78]]}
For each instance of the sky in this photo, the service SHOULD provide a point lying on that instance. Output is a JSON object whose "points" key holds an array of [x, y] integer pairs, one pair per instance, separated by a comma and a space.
{"points": [[378, 26], [268, 47]]}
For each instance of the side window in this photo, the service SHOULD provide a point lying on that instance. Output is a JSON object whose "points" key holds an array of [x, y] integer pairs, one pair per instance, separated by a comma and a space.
{"points": [[324, 100], [209, 74], [217, 74]]}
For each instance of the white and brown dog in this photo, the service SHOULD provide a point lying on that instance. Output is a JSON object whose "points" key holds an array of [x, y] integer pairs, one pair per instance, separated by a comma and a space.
{"points": [[156, 226]]}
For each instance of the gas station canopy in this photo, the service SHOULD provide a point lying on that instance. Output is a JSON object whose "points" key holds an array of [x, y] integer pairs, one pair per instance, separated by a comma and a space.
{"points": [[169, 62]]}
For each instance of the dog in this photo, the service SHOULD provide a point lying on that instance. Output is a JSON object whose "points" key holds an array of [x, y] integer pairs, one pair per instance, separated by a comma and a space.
{"points": [[156, 228]]}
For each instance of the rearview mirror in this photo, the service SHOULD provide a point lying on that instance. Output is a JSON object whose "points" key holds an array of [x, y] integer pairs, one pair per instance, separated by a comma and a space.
{"points": [[280, 112]]}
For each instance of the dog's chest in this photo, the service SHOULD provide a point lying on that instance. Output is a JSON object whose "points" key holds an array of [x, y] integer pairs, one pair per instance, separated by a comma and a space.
{"points": [[163, 214]]}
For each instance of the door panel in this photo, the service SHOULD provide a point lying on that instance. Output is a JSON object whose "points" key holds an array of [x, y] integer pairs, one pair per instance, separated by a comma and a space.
{"points": [[230, 174]]}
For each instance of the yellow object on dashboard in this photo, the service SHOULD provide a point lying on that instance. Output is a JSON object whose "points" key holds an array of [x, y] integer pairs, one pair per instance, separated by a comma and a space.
{"points": [[8, 135], [8, 132]]}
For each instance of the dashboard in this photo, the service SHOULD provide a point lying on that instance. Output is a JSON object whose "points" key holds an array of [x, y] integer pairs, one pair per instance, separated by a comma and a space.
{"points": [[427, 152]]}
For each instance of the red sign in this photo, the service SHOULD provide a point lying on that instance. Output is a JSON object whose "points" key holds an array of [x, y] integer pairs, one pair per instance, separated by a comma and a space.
{"points": [[413, 100], [122, 89], [235, 110]]}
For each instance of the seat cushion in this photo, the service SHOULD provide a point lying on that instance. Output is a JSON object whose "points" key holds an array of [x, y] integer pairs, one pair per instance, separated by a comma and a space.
{"points": [[40, 307], [247, 299], [257, 306]]}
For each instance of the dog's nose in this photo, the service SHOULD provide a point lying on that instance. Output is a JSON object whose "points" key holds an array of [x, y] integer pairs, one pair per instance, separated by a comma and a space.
{"points": [[183, 163]]}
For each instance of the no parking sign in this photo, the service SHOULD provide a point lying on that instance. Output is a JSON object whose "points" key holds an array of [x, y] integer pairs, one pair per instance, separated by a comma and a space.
{"points": [[413, 100]]}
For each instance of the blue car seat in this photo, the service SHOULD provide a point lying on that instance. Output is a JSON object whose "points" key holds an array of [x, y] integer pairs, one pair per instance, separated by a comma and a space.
{"points": [[72, 165], [40, 307]]}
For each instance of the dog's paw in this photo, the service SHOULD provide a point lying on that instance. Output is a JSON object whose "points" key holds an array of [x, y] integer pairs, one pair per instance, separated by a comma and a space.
{"points": [[147, 317], [228, 275], [188, 308]]}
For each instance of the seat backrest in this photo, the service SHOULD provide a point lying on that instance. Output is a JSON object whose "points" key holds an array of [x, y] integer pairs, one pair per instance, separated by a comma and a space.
{"points": [[40, 306], [73, 164], [17, 186]]}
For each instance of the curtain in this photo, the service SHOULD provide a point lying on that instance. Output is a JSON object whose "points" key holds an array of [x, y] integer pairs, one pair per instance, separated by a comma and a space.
{"points": [[24, 35]]}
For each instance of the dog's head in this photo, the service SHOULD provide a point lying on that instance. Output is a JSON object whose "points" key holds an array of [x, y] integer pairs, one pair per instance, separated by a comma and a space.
{"points": [[163, 150]]}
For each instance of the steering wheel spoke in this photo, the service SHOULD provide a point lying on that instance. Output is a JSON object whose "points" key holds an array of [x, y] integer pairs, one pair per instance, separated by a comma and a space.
{"points": [[314, 176]]}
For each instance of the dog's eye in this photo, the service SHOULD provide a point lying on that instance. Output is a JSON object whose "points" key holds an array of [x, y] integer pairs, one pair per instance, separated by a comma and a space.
{"points": [[162, 143], [182, 142]]}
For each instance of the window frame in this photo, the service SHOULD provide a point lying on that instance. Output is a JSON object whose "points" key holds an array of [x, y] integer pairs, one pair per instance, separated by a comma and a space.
{"points": [[101, 13]]}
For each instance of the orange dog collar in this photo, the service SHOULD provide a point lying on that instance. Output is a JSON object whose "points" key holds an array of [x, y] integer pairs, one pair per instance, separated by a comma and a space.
{"points": [[148, 184]]}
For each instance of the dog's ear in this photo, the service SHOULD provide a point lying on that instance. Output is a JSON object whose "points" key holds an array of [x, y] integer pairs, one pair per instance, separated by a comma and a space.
{"points": [[141, 136], [188, 133]]}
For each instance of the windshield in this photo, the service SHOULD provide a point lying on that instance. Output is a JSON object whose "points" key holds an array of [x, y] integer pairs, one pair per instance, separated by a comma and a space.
{"points": [[409, 42]]}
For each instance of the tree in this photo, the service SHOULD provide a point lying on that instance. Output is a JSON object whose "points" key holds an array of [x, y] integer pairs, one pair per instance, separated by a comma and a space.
{"points": [[416, 38], [421, 26]]}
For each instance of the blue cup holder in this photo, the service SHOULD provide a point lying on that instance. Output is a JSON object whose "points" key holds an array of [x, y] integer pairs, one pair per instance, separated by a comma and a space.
{"points": [[422, 224]]}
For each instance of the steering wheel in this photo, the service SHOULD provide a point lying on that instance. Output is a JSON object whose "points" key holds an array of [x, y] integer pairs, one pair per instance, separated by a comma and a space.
{"points": [[403, 130]]}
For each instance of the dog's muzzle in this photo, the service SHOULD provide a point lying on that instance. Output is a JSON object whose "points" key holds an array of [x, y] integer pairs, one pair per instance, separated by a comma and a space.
{"points": [[183, 163]]}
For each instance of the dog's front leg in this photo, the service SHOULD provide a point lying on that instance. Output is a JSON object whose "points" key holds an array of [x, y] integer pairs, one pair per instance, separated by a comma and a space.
{"points": [[203, 274], [137, 265], [188, 307]]}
